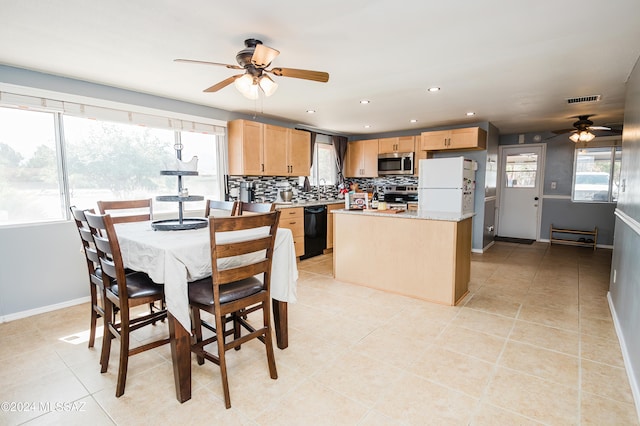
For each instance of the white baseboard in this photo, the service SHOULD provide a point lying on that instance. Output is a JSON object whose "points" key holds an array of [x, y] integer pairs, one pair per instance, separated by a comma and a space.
{"points": [[43, 309], [635, 386], [485, 248]]}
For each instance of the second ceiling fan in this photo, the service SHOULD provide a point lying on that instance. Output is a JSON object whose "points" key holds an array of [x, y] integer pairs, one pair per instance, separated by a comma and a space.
{"points": [[254, 60], [582, 129]]}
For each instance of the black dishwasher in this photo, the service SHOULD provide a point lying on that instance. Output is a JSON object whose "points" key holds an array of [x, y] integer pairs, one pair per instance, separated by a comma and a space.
{"points": [[315, 231]]}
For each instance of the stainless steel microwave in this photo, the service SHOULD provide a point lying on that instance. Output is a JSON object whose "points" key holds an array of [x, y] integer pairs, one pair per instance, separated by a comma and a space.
{"points": [[395, 163]]}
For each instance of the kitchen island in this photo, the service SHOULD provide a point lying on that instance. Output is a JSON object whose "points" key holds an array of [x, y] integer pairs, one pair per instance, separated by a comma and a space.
{"points": [[425, 255]]}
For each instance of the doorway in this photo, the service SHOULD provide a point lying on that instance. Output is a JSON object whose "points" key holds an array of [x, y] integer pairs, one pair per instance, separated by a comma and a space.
{"points": [[520, 191]]}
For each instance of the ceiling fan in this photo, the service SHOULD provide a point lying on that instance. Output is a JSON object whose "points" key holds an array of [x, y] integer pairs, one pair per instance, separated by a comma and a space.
{"points": [[254, 60], [582, 129]]}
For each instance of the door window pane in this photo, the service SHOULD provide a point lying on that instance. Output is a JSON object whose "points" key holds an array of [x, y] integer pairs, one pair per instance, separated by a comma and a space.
{"points": [[29, 176], [521, 170]]}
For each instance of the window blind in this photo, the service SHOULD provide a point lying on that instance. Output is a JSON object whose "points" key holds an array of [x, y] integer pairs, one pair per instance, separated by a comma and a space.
{"points": [[15, 100]]}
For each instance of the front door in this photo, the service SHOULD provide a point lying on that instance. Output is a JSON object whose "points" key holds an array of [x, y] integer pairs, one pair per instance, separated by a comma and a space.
{"points": [[521, 172]]}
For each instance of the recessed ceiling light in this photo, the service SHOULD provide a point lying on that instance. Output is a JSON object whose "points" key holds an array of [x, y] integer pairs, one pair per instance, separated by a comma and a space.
{"points": [[471, 114], [367, 126], [413, 120], [364, 101], [311, 111], [433, 89]]}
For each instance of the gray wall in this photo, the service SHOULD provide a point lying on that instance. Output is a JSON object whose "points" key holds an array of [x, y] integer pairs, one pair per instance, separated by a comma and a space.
{"points": [[625, 290], [557, 207]]}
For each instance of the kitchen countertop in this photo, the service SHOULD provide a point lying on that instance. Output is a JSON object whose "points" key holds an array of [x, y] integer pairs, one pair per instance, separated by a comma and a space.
{"points": [[308, 203], [419, 214]]}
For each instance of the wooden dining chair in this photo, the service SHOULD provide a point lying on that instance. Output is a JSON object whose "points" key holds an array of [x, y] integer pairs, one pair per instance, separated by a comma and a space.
{"points": [[221, 208], [232, 292], [96, 286], [127, 210], [122, 291], [255, 207]]}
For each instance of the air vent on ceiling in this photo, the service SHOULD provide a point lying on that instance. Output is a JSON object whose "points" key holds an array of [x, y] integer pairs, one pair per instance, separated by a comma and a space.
{"points": [[583, 99]]}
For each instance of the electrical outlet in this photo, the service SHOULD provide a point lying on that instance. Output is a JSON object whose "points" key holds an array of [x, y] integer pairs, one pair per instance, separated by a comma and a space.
{"points": [[554, 185]]}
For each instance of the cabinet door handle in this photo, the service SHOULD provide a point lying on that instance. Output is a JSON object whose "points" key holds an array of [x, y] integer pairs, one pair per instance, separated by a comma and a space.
{"points": [[262, 167]]}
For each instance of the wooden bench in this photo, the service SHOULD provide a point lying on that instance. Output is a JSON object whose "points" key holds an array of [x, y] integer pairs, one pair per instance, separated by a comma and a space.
{"points": [[590, 237]]}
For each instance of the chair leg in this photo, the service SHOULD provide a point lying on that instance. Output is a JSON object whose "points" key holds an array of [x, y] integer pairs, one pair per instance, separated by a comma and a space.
{"points": [[106, 336], [268, 340], [124, 353], [92, 326], [236, 326], [197, 330], [220, 322]]}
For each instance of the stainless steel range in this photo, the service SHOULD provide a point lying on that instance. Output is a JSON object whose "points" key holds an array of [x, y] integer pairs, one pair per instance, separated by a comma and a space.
{"points": [[397, 196]]}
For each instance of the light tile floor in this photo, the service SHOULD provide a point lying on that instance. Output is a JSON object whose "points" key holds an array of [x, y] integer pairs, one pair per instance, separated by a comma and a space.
{"points": [[533, 343]]}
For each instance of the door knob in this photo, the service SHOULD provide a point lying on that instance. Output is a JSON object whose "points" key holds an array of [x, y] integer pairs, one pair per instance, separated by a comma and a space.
{"points": [[536, 198]]}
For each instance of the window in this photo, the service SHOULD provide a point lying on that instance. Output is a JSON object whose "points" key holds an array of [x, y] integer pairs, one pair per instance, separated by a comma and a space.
{"points": [[324, 170], [30, 184], [50, 160], [597, 174], [521, 170]]}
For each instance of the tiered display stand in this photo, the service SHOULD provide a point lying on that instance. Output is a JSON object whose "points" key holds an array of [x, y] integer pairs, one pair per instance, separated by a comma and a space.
{"points": [[181, 223]]}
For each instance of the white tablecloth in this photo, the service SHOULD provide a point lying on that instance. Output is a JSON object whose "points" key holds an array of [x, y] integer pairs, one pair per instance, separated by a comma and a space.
{"points": [[174, 258]]}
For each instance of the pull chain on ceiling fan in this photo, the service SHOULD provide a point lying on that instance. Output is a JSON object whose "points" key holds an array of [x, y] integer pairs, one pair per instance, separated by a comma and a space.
{"points": [[254, 59]]}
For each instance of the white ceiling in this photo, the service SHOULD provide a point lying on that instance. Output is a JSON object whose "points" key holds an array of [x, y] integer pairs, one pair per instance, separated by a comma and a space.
{"points": [[513, 62]]}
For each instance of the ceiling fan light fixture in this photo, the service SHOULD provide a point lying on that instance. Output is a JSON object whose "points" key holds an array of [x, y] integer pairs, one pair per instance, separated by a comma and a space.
{"points": [[247, 86], [267, 85], [582, 136]]}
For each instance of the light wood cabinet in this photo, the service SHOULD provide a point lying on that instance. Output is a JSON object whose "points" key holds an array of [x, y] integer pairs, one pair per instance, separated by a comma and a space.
{"points": [[330, 208], [419, 155], [299, 152], [457, 139], [245, 140], [362, 159], [293, 219], [399, 144], [266, 150], [274, 148]]}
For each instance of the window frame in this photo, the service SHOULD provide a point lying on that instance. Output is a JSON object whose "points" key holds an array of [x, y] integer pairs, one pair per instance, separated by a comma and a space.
{"points": [[614, 147], [29, 100], [314, 173]]}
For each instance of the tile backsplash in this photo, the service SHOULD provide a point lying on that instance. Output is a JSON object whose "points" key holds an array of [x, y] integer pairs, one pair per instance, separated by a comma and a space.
{"points": [[266, 190]]}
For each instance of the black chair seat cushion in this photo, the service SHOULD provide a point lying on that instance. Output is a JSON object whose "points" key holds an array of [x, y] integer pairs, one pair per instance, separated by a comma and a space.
{"points": [[140, 285], [201, 291]]}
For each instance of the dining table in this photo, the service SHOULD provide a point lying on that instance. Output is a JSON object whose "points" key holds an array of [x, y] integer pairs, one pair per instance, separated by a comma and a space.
{"points": [[175, 258]]}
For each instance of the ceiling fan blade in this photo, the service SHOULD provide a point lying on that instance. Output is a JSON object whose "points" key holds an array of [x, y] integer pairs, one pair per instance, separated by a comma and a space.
{"points": [[224, 83], [192, 61], [320, 76], [599, 128], [263, 56]]}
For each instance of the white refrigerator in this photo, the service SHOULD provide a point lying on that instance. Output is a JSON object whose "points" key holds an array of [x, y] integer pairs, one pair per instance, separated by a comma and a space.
{"points": [[447, 185]]}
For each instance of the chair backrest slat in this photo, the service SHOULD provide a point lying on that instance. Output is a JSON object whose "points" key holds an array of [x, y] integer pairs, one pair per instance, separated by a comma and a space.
{"points": [[230, 207], [265, 227], [108, 247], [256, 207], [127, 210]]}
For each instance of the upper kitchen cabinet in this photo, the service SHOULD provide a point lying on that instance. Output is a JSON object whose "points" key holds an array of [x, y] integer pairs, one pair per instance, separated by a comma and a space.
{"points": [[465, 138], [266, 150], [245, 140], [362, 159], [399, 144], [299, 152]]}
